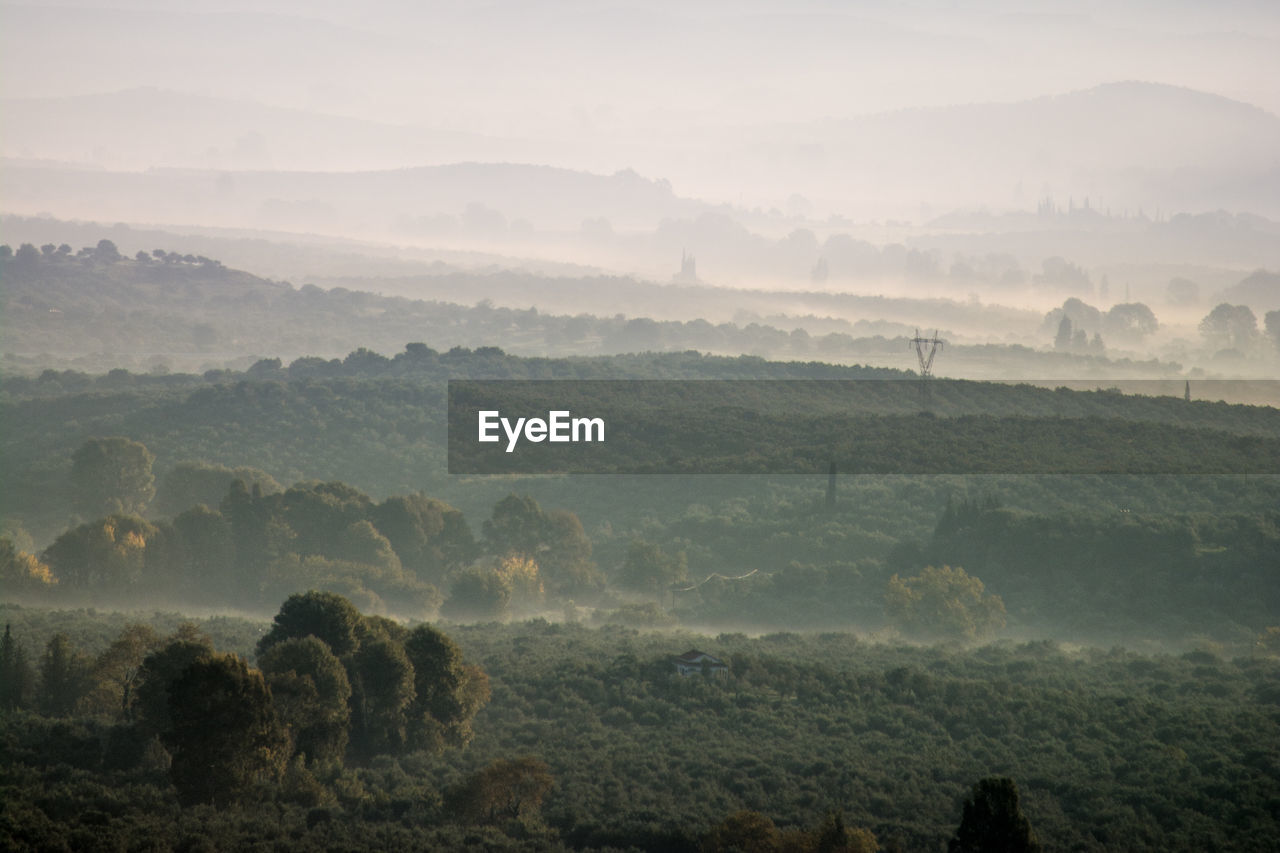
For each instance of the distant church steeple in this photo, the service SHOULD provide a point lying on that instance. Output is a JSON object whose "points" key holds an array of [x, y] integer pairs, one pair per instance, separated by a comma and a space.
{"points": [[688, 269]]}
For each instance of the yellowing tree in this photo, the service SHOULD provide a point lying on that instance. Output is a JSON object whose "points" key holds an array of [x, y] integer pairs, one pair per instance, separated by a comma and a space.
{"points": [[944, 603], [21, 573]]}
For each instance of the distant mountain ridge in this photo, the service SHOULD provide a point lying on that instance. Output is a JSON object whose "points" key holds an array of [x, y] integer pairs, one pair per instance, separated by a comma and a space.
{"points": [[1123, 145]]}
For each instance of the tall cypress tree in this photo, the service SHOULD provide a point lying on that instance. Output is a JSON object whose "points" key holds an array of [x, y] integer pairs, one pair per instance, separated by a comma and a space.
{"points": [[16, 675], [993, 821]]}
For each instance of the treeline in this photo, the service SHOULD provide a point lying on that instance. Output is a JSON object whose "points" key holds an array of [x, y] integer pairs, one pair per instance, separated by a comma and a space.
{"points": [[378, 422], [162, 311], [238, 544], [1112, 577], [333, 688], [591, 741]]}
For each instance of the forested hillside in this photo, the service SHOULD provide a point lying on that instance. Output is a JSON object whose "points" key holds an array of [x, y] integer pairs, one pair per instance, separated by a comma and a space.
{"points": [[588, 740], [237, 489], [93, 308]]}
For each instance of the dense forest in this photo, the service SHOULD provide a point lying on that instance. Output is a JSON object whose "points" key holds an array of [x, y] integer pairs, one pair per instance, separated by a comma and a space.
{"points": [[238, 489], [585, 738]]}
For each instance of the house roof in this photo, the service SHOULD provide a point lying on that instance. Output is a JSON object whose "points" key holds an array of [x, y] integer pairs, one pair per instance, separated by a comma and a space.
{"points": [[693, 656]]}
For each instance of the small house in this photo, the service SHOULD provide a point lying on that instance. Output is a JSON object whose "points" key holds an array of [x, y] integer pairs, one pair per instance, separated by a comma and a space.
{"points": [[694, 662]]}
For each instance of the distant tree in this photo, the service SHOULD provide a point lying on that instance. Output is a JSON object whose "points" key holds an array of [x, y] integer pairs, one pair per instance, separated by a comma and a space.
{"points": [[1062, 341], [106, 251], [107, 555], [993, 822], [832, 836], [517, 526], [648, 568], [21, 573], [225, 735], [430, 537], [478, 594], [112, 475], [324, 615], [150, 702], [1129, 321], [117, 671], [1272, 323], [506, 789], [1085, 319], [565, 561], [48, 250], [6, 252], [64, 677], [208, 554], [1230, 327], [447, 692], [360, 542], [311, 692], [944, 603], [382, 689], [27, 255], [142, 257], [17, 679], [64, 250], [319, 513]]}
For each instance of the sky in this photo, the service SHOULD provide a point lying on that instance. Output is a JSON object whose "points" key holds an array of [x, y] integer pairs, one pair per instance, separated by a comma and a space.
{"points": [[674, 90]]}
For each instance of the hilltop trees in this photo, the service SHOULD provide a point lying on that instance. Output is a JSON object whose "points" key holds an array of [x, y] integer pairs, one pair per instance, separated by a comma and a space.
{"points": [[112, 475], [1272, 323], [189, 484], [328, 617], [1230, 327], [402, 689]]}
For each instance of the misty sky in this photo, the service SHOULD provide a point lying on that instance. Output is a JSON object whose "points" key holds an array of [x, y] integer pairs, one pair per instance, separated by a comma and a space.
{"points": [[671, 89]]}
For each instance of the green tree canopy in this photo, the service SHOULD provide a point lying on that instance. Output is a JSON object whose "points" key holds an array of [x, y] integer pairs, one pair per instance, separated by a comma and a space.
{"points": [[226, 736], [17, 679], [64, 677], [325, 615], [506, 789], [311, 691], [447, 692], [190, 484], [159, 670], [112, 475], [944, 603], [650, 569]]}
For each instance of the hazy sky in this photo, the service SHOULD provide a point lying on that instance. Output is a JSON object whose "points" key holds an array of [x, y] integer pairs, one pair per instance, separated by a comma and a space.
{"points": [[663, 87]]}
